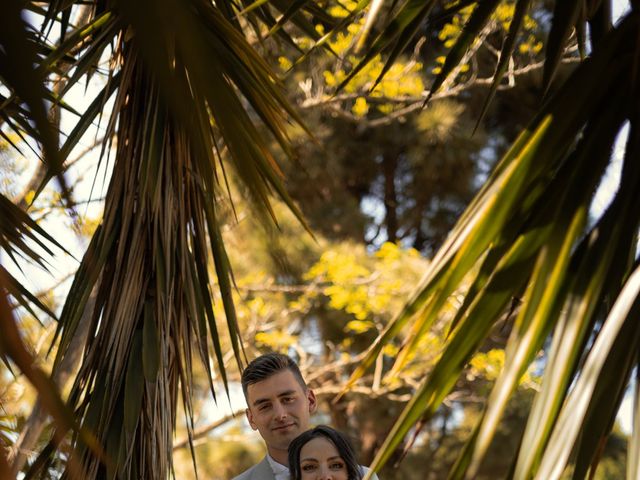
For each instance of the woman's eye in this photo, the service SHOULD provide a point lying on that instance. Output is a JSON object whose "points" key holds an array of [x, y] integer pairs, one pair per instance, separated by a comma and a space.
{"points": [[336, 466], [308, 468]]}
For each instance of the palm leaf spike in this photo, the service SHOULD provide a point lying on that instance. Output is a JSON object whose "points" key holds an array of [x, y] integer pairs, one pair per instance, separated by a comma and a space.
{"points": [[476, 23], [99, 25], [311, 10], [88, 117], [604, 406], [292, 11], [88, 61], [17, 68], [252, 6], [18, 224], [266, 18], [322, 41], [242, 151], [398, 32], [406, 16], [6, 137], [86, 277], [520, 12], [402, 42], [64, 23], [565, 17], [18, 235], [600, 21], [223, 273], [371, 18], [489, 263], [23, 296]]}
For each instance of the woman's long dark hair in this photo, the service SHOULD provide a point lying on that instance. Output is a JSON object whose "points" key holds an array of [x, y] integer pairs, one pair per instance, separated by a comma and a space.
{"points": [[341, 443]]}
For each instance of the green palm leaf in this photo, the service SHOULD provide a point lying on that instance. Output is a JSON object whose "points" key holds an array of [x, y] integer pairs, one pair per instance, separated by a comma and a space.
{"points": [[617, 341], [532, 198], [17, 71], [171, 114], [471, 30]]}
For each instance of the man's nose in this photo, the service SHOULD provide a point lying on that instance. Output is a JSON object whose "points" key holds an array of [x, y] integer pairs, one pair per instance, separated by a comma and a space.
{"points": [[280, 411]]}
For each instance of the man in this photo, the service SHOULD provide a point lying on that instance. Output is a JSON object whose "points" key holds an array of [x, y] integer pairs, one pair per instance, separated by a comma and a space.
{"points": [[279, 407]]}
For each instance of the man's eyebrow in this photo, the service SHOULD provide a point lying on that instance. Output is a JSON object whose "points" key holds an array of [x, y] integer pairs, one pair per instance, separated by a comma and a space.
{"points": [[286, 393]]}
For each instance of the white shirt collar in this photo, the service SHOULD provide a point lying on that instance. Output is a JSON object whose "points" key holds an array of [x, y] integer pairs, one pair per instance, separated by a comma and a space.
{"points": [[281, 472]]}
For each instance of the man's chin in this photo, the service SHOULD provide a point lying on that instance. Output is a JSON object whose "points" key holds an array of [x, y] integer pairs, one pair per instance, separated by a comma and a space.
{"points": [[283, 437]]}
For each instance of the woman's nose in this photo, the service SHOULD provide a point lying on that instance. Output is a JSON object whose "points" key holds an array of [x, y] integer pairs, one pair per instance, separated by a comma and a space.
{"points": [[325, 474]]}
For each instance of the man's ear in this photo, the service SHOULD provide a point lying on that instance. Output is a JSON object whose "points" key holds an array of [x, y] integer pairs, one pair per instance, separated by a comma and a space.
{"points": [[250, 418], [313, 402]]}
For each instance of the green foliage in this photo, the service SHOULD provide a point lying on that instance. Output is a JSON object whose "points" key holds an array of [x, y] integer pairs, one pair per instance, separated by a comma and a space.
{"points": [[526, 236]]}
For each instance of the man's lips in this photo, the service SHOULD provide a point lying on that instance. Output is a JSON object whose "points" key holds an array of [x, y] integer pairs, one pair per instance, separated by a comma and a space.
{"points": [[283, 427]]}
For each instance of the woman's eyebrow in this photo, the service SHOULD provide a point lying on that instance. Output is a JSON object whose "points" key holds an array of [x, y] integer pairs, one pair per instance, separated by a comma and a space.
{"points": [[312, 459]]}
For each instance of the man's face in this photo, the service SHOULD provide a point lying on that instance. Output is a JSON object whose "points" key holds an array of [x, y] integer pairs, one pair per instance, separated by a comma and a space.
{"points": [[279, 408]]}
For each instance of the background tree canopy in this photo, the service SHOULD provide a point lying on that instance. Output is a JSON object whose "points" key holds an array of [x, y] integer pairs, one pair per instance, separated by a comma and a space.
{"points": [[431, 168]]}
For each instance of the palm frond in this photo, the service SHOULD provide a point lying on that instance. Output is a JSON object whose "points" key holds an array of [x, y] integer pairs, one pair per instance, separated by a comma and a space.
{"points": [[528, 229], [18, 72], [147, 262]]}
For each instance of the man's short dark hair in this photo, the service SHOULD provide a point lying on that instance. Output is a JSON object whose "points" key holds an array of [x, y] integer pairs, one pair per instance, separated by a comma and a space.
{"points": [[267, 365]]}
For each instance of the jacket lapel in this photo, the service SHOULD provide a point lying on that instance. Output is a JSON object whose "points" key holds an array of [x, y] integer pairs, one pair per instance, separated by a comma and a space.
{"points": [[263, 471]]}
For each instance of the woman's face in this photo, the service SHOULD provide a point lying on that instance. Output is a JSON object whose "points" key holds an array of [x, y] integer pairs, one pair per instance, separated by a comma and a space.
{"points": [[320, 460]]}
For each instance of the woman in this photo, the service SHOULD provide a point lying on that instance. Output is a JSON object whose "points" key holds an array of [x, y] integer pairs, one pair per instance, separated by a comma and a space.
{"points": [[323, 453]]}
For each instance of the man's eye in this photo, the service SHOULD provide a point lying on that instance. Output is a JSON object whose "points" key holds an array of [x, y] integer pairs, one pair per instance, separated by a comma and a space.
{"points": [[288, 399], [264, 407]]}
